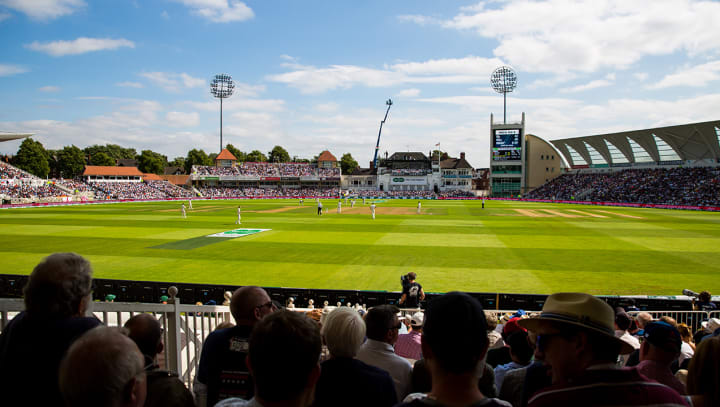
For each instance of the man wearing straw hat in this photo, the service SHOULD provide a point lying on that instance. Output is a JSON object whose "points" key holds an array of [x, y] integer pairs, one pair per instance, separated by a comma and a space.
{"points": [[576, 339]]}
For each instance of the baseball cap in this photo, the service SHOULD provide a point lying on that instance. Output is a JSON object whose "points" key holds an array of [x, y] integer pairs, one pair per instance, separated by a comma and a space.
{"points": [[417, 319], [663, 335], [512, 326], [711, 324]]}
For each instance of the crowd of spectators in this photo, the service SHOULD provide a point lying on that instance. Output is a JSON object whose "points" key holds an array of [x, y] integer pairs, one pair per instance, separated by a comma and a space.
{"points": [[567, 354], [170, 190], [75, 185], [248, 169], [7, 171], [697, 186], [28, 189], [229, 192], [127, 190]]}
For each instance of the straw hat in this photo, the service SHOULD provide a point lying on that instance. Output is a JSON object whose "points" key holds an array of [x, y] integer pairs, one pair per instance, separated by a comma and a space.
{"points": [[579, 310]]}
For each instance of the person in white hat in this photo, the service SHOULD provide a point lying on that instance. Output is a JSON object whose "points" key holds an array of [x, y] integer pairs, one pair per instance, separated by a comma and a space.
{"points": [[712, 325], [576, 339], [408, 345]]}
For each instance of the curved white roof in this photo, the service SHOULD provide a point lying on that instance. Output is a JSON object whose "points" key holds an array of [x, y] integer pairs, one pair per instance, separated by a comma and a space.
{"points": [[13, 136]]}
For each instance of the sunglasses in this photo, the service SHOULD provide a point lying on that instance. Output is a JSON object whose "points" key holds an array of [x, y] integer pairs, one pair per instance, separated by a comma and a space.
{"points": [[542, 340], [268, 304]]}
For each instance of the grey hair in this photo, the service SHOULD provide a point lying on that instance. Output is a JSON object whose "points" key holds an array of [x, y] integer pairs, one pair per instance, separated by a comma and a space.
{"points": [[99, 367], [344, 332], [58, 285], [644, 318]]}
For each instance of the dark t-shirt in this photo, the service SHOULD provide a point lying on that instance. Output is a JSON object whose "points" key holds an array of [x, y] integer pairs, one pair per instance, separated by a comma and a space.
{"points": [[164, 389], [412, 295], [426, 402], [31, 350], [350, 382], [222, 365]]}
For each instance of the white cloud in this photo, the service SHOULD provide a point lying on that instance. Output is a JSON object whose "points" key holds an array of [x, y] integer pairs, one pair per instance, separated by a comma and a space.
{"points": [[44, 9], [165, 15], [587, 35], [128, 84], [594, 84], [81, 45], [173, 82], [695, 76], [409, 93], [220, 11], [8, 70], [49, 89], [310, 79], [641, 76], [418, 19], [182, 119]]}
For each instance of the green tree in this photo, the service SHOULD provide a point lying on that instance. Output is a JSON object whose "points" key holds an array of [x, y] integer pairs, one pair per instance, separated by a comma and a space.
{"points": [[112, 150], [151, 162], [212, 157], [278, 155], [348, 163], [236, 152], [256, 156], [177, 162], [70, 162], [102, 159], [196, 157], [33, 158]]}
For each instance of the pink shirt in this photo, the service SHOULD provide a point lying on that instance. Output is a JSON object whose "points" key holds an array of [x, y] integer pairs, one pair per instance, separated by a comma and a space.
{"points": [[408, 345]]}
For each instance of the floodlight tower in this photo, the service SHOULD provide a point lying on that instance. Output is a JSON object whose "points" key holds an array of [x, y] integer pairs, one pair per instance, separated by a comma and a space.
{"points": [[377, 146], [222, 87], [503, 80]]}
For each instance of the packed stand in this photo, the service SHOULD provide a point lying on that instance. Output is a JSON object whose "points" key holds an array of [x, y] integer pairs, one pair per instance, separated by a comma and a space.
{"points": [[20, 189], [75, 185], [7, 171], [252, 169], [127, 190], [220, 192], [698, 186], [170, 190]]}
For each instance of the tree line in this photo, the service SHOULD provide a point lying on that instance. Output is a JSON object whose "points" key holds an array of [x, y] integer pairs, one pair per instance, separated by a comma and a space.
{"points": [[70, 161]]}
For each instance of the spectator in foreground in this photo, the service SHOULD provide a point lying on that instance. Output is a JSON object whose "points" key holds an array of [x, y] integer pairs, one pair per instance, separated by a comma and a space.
{"points": [[103, 368], [163, 387], [345, 380], [382, 326], [658, 351], [454, 345], [408, 345], [283, 358], [576, 339], [704, 374], [222, 372], [32, 345]]}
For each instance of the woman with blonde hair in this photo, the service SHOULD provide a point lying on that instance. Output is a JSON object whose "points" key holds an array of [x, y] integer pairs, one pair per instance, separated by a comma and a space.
{"points": [[704, 374], [687, 349]]}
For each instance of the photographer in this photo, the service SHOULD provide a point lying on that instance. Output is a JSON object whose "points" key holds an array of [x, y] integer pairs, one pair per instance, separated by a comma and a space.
{"points": [[702, 301], [412, 292]]}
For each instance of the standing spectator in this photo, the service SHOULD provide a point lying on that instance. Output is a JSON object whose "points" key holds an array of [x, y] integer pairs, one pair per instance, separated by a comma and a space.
{"points": [[408, 345], [658, 351], [454, 344], [704, 374], [222, 372], [382, 332], [283, 358], [345, 380], [412, 291], [32, 345], [103, 368], [576, 339], [164, 389]]}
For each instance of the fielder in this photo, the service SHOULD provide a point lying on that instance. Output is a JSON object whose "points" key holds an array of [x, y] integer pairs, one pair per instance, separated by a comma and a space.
{"points": [[483, 203], [339, 206], [182, 210], [372, 209], [363, 201], [319, 208], [352, 203], [419, 206], [190, 204], [237, 222]]}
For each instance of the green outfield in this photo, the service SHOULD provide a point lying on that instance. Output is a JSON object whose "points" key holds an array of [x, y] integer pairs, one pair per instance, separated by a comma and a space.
{"points": [[511, 247]]}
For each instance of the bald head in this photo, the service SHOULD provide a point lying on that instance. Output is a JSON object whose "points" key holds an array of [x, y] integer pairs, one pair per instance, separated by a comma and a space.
{"points": [[103, 368], [250, 304], [146, 332]]}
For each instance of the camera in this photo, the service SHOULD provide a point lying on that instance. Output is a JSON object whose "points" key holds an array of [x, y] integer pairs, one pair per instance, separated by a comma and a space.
{"points": [[404, 281], [690, 293]]}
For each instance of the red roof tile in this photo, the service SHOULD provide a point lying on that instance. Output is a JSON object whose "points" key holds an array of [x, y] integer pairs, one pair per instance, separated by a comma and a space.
{"points": [[326, 156], [225, 155], [112, 171]]}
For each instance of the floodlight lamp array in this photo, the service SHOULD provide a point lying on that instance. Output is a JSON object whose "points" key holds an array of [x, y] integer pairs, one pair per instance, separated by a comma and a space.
{"points": [[503, 79], [222, 86]]}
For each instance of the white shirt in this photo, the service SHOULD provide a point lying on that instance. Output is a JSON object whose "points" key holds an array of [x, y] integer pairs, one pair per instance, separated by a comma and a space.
{"points": [[382, 355], [686, 352]]}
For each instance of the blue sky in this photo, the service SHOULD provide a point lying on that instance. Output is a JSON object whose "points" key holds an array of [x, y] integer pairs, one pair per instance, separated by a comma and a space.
{"points": [[314, 75]]}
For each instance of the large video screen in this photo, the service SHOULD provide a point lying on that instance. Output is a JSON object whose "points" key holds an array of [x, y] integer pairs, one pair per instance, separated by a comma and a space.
{"points": [[507, 145]]}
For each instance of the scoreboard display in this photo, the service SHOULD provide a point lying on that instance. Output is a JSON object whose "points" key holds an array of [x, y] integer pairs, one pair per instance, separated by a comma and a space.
{"points": [[507, 145]]}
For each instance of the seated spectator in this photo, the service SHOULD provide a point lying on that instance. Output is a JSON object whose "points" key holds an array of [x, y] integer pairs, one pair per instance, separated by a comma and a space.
{"points": [[454, 344], [520, 352], [501, 356], [622, 324], [704, 374], [408, 345], [382, 326], [283, 358], [642, 318], [344, 380], [576, 339], [163, 387], [712, 326], [658, 351], [222, 372], [32, 345], [103, 368], [422, 381], [494, 335], [687, 349]]}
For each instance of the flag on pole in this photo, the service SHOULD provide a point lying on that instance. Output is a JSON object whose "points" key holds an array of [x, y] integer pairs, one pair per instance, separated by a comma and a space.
{"points": [[437, 145]]}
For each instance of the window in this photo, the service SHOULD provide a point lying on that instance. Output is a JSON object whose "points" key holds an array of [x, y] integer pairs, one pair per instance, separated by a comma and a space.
{"points": [[616, 155], [542, 157], [641, 156], [595, 157], [576, 158], [666, 152], [553, 157], [547, 169], [552, 169]]}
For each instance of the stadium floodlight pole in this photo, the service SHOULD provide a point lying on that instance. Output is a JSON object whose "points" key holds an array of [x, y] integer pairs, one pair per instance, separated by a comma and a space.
{"points": [[503, 80], [222, 87], [377, 145]]}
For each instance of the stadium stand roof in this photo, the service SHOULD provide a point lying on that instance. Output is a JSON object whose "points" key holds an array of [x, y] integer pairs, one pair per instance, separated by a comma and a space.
{"points": [[152, 177], [113, 171], [225, 154], [5, 136], [685, 142], [176, 179]]}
